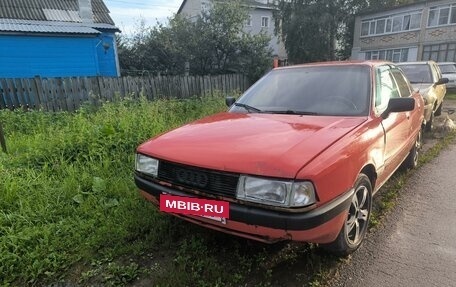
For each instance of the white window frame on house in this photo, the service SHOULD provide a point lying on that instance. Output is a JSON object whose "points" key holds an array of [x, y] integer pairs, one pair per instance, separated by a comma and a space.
{"points": [[264, 24], [396, 23], [442, 15], [248, 22], [393, 55]]}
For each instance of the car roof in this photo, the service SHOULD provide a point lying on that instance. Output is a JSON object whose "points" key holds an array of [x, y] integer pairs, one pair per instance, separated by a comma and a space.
{"points": [[415, 63], [370, 63]]}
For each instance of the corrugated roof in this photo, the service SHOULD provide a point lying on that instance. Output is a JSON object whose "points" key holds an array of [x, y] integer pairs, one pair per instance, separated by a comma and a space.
{"points": [[51, 10], [32, 26]]}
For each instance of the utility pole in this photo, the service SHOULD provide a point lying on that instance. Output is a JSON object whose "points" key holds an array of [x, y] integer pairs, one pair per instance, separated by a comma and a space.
{"points": [[2, 139]]}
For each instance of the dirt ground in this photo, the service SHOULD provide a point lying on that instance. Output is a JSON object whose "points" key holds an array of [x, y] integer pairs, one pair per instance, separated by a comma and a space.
{"points": [[438, 132], [415, 245]]}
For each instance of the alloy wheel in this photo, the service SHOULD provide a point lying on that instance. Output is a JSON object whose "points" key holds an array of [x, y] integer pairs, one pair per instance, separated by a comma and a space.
{"points": [[358, 215]]}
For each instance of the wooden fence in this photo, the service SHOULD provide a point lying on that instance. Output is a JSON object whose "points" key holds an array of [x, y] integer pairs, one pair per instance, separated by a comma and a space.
{"points": [[68, 94]]}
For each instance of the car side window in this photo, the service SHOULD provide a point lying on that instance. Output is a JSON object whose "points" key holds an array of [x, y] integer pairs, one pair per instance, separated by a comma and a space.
{"points": [[403, 85], [386, 88]]}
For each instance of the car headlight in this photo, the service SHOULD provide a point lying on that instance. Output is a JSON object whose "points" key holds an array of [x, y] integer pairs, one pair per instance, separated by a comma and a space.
{"points": [[276, 192], [146, 165]]}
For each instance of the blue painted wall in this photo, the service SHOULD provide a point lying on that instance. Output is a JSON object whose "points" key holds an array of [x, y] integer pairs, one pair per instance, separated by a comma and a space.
{"points": [[54, 56]]}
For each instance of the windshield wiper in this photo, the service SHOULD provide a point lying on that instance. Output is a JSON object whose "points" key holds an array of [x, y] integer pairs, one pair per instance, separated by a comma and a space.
{"points": [[292, 112], [248, 108]]}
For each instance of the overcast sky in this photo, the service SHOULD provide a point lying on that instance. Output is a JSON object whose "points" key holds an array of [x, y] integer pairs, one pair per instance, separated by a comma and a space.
{"points": [[126, 13]]}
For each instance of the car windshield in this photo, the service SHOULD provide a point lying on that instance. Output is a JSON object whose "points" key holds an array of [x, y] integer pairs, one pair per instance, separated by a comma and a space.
{"points": [[417, 73], [447, 68], [313, 90]]}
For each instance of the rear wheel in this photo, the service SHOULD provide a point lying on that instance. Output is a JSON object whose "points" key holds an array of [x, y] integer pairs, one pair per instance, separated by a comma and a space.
{"points": [[356, 224]]}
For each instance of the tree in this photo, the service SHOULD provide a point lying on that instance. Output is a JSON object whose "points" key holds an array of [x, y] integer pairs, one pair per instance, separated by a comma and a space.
{"points": [[320, 30], [213, 43]]}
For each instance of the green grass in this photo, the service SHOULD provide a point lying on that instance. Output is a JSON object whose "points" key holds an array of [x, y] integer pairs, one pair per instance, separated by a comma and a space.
{"points": [[450, 96], [70, 212], [67, 195]]}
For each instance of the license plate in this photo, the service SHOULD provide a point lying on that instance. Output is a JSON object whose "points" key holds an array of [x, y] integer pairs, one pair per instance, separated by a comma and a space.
{"points": [[213, 209]]}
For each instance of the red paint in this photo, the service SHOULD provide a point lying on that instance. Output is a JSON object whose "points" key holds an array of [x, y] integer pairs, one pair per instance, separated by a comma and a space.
{"points": [[324, 233], [328, 151]]}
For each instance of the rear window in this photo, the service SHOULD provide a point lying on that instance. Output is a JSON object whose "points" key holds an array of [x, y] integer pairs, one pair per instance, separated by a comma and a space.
{"points": [[447, 68], [417, 73]]}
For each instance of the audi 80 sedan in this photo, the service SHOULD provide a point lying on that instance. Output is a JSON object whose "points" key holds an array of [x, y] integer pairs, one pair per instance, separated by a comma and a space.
{"points": [[297, 157]]}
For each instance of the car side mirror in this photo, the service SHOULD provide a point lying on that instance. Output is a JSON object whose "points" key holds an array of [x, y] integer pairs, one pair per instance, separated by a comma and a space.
{"points": [[397, 105], [442, 81], [229, 101]]}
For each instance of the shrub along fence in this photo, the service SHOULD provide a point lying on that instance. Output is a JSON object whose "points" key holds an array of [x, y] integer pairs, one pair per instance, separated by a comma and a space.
{"points": [[68, 94]]}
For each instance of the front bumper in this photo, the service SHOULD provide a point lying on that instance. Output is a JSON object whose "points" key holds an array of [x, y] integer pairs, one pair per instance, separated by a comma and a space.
{"points": [[319, 225]]}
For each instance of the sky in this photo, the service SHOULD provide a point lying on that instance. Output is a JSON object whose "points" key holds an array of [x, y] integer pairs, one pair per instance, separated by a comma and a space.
{"points": [[127, 13]]}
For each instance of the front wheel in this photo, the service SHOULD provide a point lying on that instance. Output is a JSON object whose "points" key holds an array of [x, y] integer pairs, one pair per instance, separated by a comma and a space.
{"points": [[430, 123], [357, 222], [438, 112], [412, 159]]}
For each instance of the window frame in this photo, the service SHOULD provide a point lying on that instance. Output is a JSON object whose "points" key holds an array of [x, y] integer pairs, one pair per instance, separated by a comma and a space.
{"points": [[437, 20], [434, 51], [369, 27], [388, 54], [267, 21]]}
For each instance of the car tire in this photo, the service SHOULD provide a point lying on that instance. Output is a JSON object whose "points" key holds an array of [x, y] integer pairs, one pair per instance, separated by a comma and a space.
{"points": [[438, 112], [357, 222], [429, 124], [411, 161]]}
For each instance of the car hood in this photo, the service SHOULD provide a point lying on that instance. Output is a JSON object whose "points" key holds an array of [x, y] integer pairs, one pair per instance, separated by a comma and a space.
{"points": [[422, 87], [263, 144]]}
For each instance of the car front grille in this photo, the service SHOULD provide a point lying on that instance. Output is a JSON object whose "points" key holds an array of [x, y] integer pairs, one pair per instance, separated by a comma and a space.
{"points": [[204, 180]]}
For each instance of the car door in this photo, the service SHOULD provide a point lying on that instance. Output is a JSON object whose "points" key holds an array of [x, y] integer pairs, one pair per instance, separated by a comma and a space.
{"points": [[396, 126]]}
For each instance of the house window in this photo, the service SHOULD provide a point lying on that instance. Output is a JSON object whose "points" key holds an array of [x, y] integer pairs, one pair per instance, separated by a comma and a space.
{"points": [[440, 52], [393, 55], [442, 15], [248, 22], [391, 24], [264, 21]]}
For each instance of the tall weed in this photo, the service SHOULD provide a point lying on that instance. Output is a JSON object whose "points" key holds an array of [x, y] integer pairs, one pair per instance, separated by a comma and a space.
{"points": [[66, 189]]}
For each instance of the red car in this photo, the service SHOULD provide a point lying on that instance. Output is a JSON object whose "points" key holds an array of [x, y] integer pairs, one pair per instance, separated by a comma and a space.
{"points": [[297, 157]]}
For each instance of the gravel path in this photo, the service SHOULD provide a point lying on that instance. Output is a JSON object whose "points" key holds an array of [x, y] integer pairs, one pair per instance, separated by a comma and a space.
{"points": [[417, 244]]}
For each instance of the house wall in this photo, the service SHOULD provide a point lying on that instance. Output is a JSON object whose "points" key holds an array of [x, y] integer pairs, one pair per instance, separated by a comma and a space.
{"points": [[193, 8], [23, 56], [256, 28], [107, 55], [416, 43]]}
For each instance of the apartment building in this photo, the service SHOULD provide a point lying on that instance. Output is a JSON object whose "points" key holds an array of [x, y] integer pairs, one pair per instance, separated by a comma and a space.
{"points": [[425, 30]]}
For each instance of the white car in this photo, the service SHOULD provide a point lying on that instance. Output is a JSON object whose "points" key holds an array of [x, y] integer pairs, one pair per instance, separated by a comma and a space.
{"points": [[427, 79], [448, 70]]}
